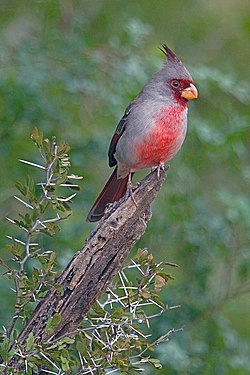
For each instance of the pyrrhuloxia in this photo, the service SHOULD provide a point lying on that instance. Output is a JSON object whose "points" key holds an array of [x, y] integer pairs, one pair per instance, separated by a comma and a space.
{"points": [[151, 131]]}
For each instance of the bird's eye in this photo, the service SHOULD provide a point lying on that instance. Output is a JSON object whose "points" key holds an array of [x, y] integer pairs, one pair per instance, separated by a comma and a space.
{"points": [[175, 84]]}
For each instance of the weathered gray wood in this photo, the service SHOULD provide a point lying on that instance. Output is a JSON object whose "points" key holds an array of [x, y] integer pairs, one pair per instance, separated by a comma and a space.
{"points": [[89, 272]]}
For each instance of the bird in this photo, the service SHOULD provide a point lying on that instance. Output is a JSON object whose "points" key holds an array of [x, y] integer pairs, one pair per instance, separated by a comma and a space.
{"points": [[151, 131]]}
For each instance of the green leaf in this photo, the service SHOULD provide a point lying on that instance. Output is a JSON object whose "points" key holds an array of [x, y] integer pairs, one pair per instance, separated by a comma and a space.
{"points": [[65, 360], [155, 362], [36, 214], [36, 275], [81, 345], [15, 334], [62, 179], [52, 323], [34, 367], [145, 293], [15, 249], [4, 350], [51, 229], [63, 149], [65, 365], [59, 289], [22, 188], [30, 342], [165, 275], [51, 262], [141, 256], [67, 340]]}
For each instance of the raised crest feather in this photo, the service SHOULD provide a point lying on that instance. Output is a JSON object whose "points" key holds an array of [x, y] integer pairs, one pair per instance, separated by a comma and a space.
{"points": [[169, 53]]}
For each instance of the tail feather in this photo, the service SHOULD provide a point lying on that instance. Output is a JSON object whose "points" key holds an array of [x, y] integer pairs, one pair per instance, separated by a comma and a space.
{"points": [[114, 190]]}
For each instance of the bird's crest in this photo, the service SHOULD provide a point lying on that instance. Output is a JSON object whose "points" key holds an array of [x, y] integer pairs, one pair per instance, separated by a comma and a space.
{"points": [[169, 54]]}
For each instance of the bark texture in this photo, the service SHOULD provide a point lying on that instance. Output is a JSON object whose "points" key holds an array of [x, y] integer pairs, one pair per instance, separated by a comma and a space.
{"points": [[91, 270]]}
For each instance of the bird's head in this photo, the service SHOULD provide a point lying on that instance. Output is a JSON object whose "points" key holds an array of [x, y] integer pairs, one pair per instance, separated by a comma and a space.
{"points": [[176, 79]]}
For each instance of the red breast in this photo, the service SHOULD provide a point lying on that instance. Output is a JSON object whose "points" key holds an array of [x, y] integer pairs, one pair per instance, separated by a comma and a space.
{"points": [[163, 139]]}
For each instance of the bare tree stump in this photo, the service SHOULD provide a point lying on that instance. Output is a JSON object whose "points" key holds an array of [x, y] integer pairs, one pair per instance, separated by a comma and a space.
{"points": [[89, 272]]}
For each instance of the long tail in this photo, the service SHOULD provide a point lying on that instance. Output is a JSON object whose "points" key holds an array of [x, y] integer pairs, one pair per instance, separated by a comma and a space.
{"points": [[114, 190]]}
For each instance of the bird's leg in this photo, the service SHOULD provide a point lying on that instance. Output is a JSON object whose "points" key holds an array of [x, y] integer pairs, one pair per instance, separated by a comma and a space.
{"points": [[160, 166], [129, 192]]}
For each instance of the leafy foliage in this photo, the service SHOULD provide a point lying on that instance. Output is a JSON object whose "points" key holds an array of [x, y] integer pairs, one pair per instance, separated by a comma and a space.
{"points": [[40, 200]]}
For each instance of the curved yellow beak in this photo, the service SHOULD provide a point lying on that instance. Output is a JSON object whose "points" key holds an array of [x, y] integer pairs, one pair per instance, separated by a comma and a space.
{"points": [[190, 92]]}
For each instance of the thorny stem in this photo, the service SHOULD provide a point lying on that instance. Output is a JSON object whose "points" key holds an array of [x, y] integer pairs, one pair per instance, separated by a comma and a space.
{"points": [[17, 284], [18, 276], [158, 341], [118, 328], [39, 222]]}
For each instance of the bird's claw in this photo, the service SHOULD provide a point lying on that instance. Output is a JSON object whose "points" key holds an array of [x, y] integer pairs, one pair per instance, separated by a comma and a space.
{"points": [[129, 192], [160, 167]]}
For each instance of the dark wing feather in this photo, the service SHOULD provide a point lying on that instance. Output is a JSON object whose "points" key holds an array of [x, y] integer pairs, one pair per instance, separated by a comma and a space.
{"points": [[118, 132]]}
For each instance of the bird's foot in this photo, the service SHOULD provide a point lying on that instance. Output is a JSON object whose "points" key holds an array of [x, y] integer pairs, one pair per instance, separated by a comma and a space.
{"points": [[160, 167], [129, 192]]}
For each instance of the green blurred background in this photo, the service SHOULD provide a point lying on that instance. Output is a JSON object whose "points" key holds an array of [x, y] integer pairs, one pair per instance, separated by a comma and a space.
{"points": [[70, 68]]}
